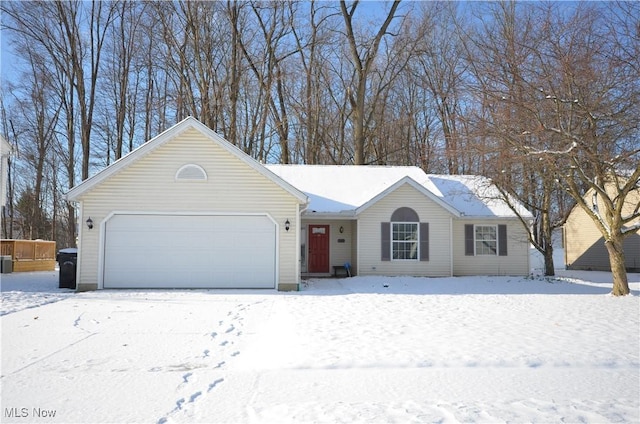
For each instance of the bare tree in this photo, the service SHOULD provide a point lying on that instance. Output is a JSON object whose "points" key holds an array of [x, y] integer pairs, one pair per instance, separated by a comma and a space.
{"points": [[363, 54], [563, 100], [70, 39], [440, 69], [123, 80], [7, 210], [312, 38], [593, 111]]}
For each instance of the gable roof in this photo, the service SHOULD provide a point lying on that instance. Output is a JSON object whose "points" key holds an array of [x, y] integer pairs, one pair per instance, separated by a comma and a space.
{"points": [[169, 134], [348, 189]]}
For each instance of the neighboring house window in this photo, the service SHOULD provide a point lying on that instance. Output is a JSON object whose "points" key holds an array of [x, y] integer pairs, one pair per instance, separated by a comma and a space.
{"points": [[191, 172], [482, 240], [405, 237]]}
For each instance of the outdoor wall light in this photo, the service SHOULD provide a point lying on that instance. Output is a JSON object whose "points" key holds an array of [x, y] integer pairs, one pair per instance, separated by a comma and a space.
{"points": [[89, 223], [287, 225], [341, 229]]}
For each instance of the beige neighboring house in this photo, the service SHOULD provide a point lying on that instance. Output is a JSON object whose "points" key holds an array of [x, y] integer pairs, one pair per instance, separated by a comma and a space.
{"points": [[188, 209], [584, 247], [5, 151]]}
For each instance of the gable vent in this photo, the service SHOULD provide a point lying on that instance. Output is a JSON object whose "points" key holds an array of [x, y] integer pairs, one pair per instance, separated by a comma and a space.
{"points": [[191, 172]]}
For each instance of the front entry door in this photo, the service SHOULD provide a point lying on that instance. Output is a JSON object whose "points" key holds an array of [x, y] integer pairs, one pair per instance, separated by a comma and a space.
{"points": [[318, 248]]}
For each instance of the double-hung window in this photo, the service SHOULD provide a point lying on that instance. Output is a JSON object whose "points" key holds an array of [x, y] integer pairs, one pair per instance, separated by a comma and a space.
{"points": [[404, 240], [486, 239]]}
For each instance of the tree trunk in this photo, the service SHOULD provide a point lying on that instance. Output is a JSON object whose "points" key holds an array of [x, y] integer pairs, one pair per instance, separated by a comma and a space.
{"points": [[618, 270], [547, 234], [548, 262]]}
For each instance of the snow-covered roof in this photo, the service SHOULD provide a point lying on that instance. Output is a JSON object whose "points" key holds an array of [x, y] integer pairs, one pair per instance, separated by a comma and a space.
{"points": [[348, 189]]}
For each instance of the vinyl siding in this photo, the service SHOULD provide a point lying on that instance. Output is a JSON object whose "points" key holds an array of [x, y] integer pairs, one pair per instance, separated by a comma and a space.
{"points": [[516, 262], [369, 255], [149, 185], [339, 253], [584, 244]]}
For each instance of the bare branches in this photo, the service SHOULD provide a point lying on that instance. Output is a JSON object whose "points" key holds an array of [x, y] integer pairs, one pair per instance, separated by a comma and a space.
{"points": [[363, 59]]}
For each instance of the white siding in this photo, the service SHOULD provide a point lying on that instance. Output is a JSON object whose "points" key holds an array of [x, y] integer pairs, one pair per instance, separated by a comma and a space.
{"points": [[515, 263], [369, 255], [150, 185]]}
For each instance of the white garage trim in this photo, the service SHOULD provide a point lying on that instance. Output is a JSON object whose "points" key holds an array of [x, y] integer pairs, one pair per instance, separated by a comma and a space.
{"points": [[103, 228]]}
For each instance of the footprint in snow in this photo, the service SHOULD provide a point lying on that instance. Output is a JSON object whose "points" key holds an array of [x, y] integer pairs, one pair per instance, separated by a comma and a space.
{"points": [[214, 384]]}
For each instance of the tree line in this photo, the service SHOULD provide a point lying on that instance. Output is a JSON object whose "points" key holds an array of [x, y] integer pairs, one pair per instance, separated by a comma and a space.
{"points": [[541, 97]]}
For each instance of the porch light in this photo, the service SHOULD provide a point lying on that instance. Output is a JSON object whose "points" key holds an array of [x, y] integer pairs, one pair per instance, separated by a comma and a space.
{"points": [[89, 223], [287, 225]]}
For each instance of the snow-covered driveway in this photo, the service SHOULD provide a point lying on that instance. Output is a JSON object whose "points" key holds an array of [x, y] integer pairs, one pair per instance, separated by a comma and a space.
{"points": [[494, 349]]}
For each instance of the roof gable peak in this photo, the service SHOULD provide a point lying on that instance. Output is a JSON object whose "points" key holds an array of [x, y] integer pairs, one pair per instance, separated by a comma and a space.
{"points": [[168, 135]]}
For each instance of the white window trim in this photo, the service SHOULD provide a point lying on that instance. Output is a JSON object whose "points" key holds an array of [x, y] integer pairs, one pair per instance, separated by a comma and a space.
{"points": [[417, 241], [475, 240]]}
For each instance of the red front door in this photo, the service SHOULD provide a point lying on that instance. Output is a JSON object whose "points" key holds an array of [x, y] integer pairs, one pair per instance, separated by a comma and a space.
{"points": [[318, 248]]}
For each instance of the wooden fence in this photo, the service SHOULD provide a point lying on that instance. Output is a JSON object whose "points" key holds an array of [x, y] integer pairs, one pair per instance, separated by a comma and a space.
{"points": [[30, 255]]}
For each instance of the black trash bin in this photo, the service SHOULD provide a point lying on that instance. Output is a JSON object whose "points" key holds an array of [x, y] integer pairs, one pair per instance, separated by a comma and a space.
{"points": [[67, 259]]}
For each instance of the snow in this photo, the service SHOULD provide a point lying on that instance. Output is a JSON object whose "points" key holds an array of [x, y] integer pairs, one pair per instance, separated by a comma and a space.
{"points": [[362, 349], [474, 196], [341, 189]]}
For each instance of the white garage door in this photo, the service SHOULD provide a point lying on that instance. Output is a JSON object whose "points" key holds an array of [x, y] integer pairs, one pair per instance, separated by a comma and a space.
{"points": [[185, 251]]}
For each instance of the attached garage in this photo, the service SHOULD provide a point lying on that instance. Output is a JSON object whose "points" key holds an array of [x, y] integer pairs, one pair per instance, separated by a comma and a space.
{"points": [[146, 250], [187, 209]]}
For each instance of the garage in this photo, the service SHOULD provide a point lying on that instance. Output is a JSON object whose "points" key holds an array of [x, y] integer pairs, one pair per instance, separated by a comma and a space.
{"points": [[189, 251]]}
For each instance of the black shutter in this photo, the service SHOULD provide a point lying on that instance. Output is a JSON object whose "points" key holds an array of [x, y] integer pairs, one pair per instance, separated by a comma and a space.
{"points": [[502, 240], [385, 244], [468, 240], [424, 241]]}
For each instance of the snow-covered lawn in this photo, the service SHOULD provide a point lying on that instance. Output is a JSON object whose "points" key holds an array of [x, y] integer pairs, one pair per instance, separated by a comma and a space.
{"points": [[493, 349]]}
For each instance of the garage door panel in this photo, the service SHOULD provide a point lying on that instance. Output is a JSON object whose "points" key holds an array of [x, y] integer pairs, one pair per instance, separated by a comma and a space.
{"points": [[167, 251]]}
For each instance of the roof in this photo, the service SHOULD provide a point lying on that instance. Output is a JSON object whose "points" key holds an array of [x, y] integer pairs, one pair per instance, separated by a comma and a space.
{"points": [[350, 189], [168, 135]]}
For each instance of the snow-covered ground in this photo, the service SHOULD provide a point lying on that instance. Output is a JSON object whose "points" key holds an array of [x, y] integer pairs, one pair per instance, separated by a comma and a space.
{"points": [[364, 349]]}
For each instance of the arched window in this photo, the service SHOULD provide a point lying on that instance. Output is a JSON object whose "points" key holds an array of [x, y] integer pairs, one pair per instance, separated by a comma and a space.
{"points": [[405, 226], [191, 172], [404, 215], [405, 238]]}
